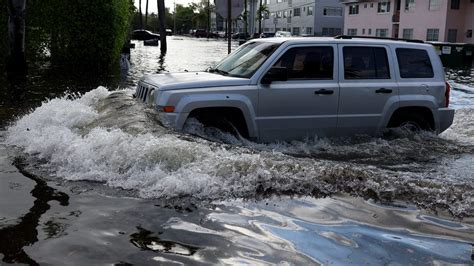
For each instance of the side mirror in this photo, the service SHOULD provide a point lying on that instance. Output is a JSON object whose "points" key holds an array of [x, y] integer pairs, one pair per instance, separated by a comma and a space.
{"points": [[275, 74]]}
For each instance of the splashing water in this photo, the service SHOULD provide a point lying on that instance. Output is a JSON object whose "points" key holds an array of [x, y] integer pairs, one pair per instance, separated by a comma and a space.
{"points": [[107, 137]]}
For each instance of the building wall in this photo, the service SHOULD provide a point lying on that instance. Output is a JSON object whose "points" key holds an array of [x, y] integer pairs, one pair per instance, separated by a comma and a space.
{"points": [[468, 21], [368, 18], [305, 23], [420, 19], [321, 21]]}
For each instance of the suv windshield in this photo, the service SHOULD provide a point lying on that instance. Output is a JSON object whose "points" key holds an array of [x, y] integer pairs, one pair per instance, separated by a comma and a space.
{"points": [[244, 61]]}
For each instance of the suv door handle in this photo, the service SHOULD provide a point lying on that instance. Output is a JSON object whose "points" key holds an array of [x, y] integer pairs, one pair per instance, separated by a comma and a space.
{"points": [[324, 91], [383, 90]]}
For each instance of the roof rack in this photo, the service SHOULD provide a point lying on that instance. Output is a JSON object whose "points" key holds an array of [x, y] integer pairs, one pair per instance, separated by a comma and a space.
{"points": [[378, 38]]}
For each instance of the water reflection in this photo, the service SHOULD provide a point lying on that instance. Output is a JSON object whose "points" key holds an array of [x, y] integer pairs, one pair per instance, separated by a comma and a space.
{"points": [[13, 239], [147, 240]]}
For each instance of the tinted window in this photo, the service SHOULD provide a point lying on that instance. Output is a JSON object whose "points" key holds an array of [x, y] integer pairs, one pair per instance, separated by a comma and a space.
{"points": [[365, 63], [308, 62], [414, 63]]}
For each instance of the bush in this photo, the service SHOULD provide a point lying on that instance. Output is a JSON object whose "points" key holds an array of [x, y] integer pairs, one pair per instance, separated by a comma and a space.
{"points": [[80, 33]]}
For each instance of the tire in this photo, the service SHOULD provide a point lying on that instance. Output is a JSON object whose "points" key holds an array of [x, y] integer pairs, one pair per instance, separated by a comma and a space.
{"points": [[412, 122]]}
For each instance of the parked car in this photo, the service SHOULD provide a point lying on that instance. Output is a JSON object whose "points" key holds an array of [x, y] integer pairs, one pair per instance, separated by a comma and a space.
{"points": [[282, 34], [267, 35], [240, 35], [144, 35], [291, 88], [169, 32], [203, 34]]}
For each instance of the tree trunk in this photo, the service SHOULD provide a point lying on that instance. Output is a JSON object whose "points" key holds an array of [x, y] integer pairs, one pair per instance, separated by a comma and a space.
{"points": [[16, 36], [161, 17], [146, 15], [140, 11]]}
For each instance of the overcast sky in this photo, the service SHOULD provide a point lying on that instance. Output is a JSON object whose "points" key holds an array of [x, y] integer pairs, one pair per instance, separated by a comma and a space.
{"points": [[152, 7]]}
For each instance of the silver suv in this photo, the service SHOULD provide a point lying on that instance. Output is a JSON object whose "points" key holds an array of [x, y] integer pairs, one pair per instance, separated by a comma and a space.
{"points": [[290, 88]]}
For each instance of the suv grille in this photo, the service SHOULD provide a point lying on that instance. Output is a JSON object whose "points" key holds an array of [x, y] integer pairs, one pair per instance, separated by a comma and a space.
{"points": [[143, 93]]}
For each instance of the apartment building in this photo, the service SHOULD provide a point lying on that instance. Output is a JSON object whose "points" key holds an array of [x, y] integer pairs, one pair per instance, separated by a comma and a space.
{"points": [[428, 20], [304, 17]]}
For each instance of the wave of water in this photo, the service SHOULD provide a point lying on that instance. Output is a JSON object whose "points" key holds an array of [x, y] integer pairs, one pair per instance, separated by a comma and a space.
{"points": [[107, 137]]}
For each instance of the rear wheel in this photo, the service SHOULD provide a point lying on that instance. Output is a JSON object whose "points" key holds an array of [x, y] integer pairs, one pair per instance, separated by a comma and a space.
{"points": [[412, 122]]}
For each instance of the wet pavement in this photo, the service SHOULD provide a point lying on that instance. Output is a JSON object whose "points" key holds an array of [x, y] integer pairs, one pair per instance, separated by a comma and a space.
{"points": [[94, 179]]}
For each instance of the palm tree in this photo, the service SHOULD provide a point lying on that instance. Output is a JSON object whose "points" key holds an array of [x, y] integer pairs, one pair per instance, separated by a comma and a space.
{"points": [[262, 10]]}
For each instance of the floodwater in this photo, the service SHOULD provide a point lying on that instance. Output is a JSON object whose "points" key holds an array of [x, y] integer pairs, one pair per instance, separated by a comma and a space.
{"points": [[88, 176]]}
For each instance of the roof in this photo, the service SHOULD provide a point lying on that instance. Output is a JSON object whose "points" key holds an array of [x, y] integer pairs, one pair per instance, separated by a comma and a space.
{"points": [[353, 40]]}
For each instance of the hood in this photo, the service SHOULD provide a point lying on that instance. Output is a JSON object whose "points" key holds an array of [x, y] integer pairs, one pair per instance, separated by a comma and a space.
{"points": [[191, 80]]}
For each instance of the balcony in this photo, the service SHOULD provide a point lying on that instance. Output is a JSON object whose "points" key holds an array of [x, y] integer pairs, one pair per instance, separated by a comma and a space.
{"points": [[355, 1], [396, 17]]}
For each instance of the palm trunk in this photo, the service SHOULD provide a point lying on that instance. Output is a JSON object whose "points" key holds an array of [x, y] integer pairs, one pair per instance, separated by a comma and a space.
{"points": [[146, 14], [140, 11], [16, 35], [161, 17], [259, 16]]}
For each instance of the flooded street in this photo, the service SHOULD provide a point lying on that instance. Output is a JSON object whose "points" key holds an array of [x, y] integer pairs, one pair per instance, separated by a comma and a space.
{"points": [[89, 176]]}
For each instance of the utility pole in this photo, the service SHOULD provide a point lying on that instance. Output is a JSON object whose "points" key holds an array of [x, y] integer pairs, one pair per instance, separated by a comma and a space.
{"points": [[161, 17], [174, 19], [259, 16], [208, 17], [245, 17], [16, 36]]}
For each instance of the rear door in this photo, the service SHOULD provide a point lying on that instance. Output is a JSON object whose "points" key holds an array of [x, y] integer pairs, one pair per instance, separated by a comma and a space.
{"points": [[305, 104], [368, 88]]}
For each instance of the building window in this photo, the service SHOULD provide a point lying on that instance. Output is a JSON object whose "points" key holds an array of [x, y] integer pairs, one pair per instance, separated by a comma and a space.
{"points": [[331, 31], [455, 4], [383, 7], [296, 31], [285, 14], [272, 14], [432, 35], [452, 35], [297, 12], [365, 5], [365, 63], [363, 31], [469, 34], [381, 32], [409, 5], [353, 9], [310, 11], [332, 11], [352, 32], [266, 15], [370, 31], [309, 30], [371, 5], [408, 34], [414, 63], [278, 14], [435, 4], [279, 1]]}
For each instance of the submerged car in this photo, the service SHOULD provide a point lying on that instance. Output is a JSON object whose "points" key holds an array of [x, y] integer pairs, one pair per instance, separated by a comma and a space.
{"points": [[291, 88], [144, 35]]}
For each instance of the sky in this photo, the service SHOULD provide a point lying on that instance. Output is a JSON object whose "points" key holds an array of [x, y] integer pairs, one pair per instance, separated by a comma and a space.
{"points": [[152, 7]]}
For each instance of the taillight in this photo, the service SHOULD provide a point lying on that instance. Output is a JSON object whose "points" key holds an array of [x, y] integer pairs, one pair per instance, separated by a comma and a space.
{"points": [[447, 93]]}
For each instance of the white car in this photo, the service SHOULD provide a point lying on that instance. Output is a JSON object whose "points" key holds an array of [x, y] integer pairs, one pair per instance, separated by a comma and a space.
{"points": [[282, 34], [291, 88]]}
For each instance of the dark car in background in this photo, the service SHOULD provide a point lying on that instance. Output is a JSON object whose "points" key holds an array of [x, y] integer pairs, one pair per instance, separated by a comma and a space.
{"points": [[241, 35], [267, 35], [143, 35]]}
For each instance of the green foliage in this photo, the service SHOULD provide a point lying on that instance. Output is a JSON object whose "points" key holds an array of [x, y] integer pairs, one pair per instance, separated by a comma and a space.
{"points": [[85, 33]]}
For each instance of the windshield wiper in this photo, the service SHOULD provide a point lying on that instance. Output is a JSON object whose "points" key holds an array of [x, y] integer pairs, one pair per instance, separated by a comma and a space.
{"points": [[219, 71]]}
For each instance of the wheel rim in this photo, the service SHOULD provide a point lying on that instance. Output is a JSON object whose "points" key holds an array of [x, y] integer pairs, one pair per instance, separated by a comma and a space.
{"points": [[411, 126]]}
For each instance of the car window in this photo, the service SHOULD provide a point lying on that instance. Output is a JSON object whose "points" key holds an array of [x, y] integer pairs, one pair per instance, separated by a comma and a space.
{"points": [[365, 63], [308, 62], [414, 63]]}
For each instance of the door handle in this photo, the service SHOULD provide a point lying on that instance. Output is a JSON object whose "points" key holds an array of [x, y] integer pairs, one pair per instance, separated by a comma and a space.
{"points": [[383, 90], [324, 91]]}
